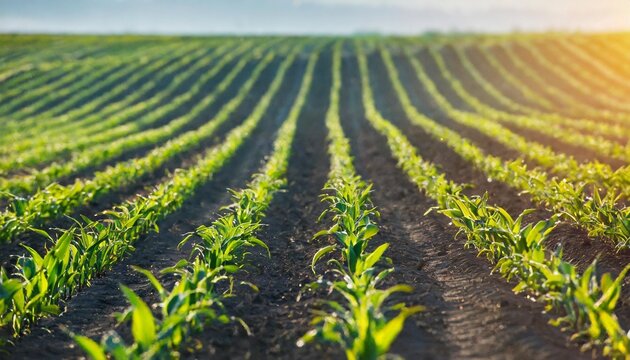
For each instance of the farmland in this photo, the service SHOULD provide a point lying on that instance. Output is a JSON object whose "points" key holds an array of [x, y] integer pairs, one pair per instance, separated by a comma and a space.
{"points": [[439, 196]]}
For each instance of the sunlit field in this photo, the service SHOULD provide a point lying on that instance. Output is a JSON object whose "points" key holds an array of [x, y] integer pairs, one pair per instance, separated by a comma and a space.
{"points": [[437, 196]]}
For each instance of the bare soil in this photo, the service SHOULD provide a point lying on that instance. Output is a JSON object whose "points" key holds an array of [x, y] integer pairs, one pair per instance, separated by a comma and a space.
{"points": [[471, 312]]}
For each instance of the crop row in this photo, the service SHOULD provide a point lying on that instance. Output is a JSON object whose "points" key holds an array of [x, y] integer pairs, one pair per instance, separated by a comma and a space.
{"points": [[51, 116], [40, 149], [102, 152], [358, 322], [112, 110], [593, 173], [554, 92], [28, 76], [517, 251], [587, 125], [519, 73], [584, 68], [614, 56], [598, 214], [196, 299], [595, 65], [56, 199], [74, 124], [576, 84], [39, 283], [74, 87], [61, 51], [93, 54]]}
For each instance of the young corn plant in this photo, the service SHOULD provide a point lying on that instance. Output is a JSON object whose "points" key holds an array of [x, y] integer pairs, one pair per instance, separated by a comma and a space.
{"points": [[593, 173], [192, 302], [560, 196], [57, 199], [112, 239], [113, 115], [223, 250], [358, 324], [195, 300], [517, 250]]}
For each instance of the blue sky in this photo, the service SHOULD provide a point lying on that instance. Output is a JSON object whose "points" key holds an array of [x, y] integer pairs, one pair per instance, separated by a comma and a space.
{"points": [[310, 16]]}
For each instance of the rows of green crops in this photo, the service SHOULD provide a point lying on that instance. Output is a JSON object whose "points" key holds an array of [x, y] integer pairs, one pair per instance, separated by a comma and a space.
{"points": [[85, 118]]}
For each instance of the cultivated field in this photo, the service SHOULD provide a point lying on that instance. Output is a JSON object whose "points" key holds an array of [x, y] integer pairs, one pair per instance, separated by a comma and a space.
{"points": [[283, 197]]}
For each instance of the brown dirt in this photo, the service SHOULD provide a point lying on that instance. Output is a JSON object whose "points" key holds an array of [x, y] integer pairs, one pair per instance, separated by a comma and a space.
{"points": [[580, 153], [156, 251], [502, 56], [275, 317], [590, 71], [554, 79], [163, 81], [471, 314], [458, 70], [492, 75], [147, 182], [579, 249], [205, 115], [56, 102], [167, 117]]}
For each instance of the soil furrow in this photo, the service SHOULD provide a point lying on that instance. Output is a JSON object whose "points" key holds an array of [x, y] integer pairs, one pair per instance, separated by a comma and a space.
{"points": [[55, 102], [148, 181], [476, 58], [512, 92], [155, 251], [480, 315], [207, 114], [578, 247], [166, 118], [580, 153], [275, 317], [162, 120], [555, 80]]}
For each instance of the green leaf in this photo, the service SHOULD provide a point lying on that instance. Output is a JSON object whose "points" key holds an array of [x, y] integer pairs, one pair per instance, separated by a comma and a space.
{"points": [[370, 231], [142, 321], [19, 206], [386, 335], [375, 256], [231, 269], [260, 243], [321, 252], [90, 346], [321, 233], [41, 232], [9, 287], [250, 285], [154, 281]]}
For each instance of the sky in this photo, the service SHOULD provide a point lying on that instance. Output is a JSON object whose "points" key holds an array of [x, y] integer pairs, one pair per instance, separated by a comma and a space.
{"points": [[310, 16]]}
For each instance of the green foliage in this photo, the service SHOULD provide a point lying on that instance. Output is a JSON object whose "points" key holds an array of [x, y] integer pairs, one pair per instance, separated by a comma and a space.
{"points": [[517, 250], [89, 128], [110, 240], [561, 196], [78, 135], [592, 173], [359, 325], [56, 199], [196, 299]]}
